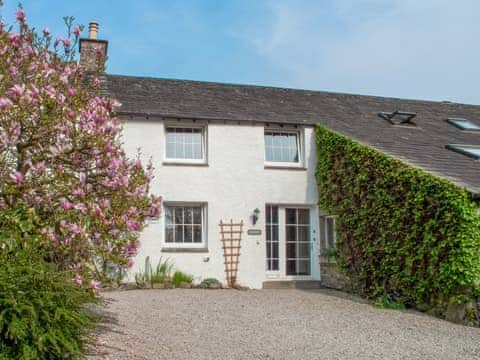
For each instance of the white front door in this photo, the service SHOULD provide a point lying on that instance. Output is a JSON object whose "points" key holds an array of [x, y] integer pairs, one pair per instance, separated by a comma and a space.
{"points": [[288, 231]]}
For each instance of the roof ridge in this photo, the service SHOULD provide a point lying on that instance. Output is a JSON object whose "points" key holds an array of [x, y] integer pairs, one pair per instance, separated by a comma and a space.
{"points": [[271, 87]]}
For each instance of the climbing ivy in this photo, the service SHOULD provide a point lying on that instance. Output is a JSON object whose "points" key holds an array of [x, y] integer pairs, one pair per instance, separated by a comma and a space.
{"points": [[400, 230]]}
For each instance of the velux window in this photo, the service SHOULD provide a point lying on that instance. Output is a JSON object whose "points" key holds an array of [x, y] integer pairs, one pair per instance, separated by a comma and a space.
{"points": [[463, 124], [282, 146], [185, 143], [184, 224], [472, 151]]}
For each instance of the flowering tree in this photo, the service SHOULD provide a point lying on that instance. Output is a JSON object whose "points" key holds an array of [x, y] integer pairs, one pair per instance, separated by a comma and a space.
{"points": [[61, 154]]}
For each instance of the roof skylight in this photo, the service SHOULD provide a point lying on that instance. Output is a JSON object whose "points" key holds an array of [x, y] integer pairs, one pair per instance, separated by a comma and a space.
{"points": [[398, 117], [463, 124], [468, 150]]}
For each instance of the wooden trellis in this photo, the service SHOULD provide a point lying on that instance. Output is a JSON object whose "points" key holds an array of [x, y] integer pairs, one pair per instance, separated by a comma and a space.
{"points": [[231, 236]]}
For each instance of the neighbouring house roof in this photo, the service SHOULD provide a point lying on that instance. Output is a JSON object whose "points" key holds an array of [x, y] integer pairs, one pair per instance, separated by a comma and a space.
{"points": [[356, 116]]}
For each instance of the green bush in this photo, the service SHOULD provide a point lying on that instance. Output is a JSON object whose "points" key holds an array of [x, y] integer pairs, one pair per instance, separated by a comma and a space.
{"points": [[210, 281], [43, 314], [400, 229], [180, 277]]}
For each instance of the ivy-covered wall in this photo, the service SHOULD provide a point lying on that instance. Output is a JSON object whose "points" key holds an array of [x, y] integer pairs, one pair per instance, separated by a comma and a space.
{"points": [[400, 231]]}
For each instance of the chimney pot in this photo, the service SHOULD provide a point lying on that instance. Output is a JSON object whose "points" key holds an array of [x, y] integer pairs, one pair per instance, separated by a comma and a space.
{"points": [[93, 30]]}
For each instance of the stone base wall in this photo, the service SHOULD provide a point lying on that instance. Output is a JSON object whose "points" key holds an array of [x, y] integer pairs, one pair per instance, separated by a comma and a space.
{"points": [[331, 277]]}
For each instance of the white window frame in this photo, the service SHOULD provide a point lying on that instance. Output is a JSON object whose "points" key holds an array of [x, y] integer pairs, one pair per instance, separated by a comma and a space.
{"points": [[300, 148], [203, 128], [334, 218], [192, 245]]}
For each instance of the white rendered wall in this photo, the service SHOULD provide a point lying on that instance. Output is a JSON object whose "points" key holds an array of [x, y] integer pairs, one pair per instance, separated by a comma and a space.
{"points": [[234, 183]]}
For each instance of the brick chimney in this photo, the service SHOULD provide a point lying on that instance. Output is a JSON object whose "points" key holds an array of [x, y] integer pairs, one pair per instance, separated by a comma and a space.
{"points": [[89, 47]]}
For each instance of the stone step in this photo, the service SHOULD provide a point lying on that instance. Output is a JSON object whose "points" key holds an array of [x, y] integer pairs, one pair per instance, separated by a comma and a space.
{"points": [[291, 284]]}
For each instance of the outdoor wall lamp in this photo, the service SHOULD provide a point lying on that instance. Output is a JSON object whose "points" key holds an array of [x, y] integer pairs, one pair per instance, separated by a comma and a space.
{"points": [[255, 216]]}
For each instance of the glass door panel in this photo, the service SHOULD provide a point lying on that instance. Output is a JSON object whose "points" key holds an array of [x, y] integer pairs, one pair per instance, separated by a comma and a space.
{"points": [[297, 241]]}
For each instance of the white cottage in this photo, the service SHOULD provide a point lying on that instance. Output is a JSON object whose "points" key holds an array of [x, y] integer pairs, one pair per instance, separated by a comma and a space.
{"points": [[245, 153]]}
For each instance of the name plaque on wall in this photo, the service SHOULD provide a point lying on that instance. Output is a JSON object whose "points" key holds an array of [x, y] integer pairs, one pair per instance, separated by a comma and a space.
{"points": [[254, 232]]}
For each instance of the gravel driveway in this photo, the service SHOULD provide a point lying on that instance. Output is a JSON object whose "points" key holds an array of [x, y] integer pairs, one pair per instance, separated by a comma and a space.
{"points": [[273, 324]]}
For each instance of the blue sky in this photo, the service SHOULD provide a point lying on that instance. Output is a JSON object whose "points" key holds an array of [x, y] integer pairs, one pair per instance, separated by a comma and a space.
{"points": [[425, 49]]}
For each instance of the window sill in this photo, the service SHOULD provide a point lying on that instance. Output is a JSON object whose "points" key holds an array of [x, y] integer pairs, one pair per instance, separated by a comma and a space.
{"points": [[184, 250], [285, 167], [181, 163]]}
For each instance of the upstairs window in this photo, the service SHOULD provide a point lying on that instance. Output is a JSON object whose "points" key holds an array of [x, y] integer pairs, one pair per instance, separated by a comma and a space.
{"points": [[185, 144], [282, 146], [463, 124], [472, 151]]}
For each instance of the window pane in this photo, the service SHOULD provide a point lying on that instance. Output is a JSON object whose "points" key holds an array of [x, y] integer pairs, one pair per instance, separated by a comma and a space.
{"points": [[179, 215], [303, 267], [189, 151], [187, 234], [179, 233], [171, 150], [179, 151], [330, 225], [291, 250], [291, 217], [197, 215], [274, 265], [291, 233], [171, 136], [188, 213], [303, 217], [303, 250], [197, 233], [168, 215], [303, 233], [275, 215], [169, 234], [197, 136], [197, 151], [269, 154], [275, 250]]}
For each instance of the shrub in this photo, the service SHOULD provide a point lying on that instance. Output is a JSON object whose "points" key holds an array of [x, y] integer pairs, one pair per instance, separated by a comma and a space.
{"points": [[181, 277], [210, 281], [400, 229], [42, 311]]}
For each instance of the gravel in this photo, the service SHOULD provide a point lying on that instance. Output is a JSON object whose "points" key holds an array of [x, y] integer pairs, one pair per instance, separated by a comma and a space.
{"points": [[272, 324]]}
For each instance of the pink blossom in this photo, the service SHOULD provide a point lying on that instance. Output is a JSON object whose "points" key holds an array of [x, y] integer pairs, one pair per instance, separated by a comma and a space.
{"points": [[5, 103], [20, 15], [78, 280], [65, 204], [66, 42], [46, 32], [75, 229], [94, 284], [17, 177], [130, 262], [80, 207], [17, 90], [71, 91], [79, 192], [14, 40], [132, 225], [77, 31]]}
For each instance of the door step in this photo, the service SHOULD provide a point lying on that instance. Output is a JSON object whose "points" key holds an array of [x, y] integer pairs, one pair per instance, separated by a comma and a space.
{"points": [[291, 284]]}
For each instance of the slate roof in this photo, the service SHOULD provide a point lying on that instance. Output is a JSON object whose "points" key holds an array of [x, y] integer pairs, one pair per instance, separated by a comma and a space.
{"points": [[355, 116]]}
